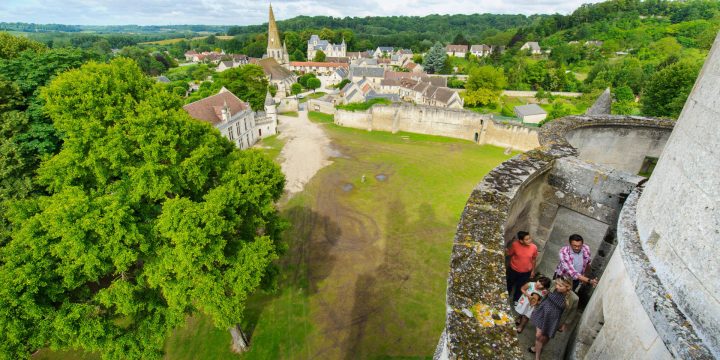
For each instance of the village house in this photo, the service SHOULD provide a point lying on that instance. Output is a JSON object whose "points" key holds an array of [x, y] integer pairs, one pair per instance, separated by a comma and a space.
{"points": [[334, 59], [316, 67], [373, 74], [355, 92], [426, 92], [234, 117], [530, 114], [533, 47], [413, 67], [456, 50], [481, 50], [383, 51], [332, 50]]}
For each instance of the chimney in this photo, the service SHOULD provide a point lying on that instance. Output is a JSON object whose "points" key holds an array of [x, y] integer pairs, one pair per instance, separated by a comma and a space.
{"points": [[225, 112]]}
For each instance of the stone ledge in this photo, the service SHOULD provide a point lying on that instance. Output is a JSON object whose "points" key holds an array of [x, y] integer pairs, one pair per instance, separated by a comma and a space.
{"points": [[552, 136], [676, 331]]}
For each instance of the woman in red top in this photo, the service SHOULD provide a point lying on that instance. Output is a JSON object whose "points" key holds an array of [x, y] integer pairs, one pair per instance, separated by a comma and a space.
{"points": [[523, 255]]}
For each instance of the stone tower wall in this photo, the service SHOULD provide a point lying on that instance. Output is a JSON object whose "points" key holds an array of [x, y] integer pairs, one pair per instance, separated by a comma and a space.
{"points": [[678, 215]]}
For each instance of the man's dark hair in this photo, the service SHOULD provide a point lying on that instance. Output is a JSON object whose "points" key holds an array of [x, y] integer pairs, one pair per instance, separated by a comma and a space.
{"points": [[576, 237], [522, 234]]}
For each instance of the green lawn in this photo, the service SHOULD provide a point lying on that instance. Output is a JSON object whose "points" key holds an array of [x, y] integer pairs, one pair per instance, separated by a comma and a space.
{"points": [[272, 146], [289, 113], [320, 117], [365, 273], [315, 95]]}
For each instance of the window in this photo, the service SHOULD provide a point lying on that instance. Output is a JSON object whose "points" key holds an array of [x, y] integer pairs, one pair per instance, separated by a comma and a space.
{"points": [[648, 166]]}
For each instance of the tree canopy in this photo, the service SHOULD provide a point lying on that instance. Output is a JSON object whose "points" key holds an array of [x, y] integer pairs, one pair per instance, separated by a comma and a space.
{"points": [[148, 216], [435, 59]]}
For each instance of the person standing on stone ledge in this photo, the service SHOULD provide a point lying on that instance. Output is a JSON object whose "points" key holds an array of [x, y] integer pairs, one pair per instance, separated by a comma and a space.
{"points": [[575, 261], [523, 258]]}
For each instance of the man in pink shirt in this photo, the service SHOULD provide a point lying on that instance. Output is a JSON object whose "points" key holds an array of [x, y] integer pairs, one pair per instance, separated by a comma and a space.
{"points": [[575, 262], [523, 257]]}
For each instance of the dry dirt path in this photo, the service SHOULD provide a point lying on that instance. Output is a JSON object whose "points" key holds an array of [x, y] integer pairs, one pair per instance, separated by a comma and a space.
{"points": [[306, 151]]}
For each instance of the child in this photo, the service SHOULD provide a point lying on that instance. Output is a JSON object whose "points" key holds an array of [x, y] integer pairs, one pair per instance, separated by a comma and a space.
{"points": [[533, 293]]}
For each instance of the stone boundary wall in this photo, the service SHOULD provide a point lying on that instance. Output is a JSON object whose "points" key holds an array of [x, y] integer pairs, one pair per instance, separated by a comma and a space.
{"points": [[479, 323], [287, 105], [321, 106], [461, 124]]}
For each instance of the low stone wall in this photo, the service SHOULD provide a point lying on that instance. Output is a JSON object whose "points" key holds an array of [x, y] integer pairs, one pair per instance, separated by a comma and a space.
{"points": [[430, 120], [321, 106], [287, 105]]}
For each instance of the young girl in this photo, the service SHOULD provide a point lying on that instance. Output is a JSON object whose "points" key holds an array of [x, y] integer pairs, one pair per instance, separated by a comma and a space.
{"points": [[533, 293]]}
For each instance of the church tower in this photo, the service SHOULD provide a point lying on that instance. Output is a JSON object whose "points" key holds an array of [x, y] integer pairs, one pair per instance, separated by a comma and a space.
{"points": [[275, 49]]}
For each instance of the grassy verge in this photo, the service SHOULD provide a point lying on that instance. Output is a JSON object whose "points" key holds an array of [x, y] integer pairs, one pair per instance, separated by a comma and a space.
{"points": [[272, 146], [289, 113], [364, 105], [315, 95], [320, 117]]}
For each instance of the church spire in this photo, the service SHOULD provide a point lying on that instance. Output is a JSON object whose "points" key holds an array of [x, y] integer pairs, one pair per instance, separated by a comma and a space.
{"points": [[273, 36]]}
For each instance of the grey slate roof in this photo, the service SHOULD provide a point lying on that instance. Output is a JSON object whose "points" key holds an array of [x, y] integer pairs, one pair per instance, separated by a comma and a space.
{"points": [[373, 72], [528, 110], [162, 79]]}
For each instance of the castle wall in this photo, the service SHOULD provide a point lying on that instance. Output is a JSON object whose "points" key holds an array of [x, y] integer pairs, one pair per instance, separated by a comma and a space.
{"points": [[440, 121], [603, 329], [678, 216], [621, 148]]}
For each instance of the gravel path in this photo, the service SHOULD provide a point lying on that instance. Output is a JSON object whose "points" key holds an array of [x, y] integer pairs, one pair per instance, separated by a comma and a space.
{"points": [[306, 150]]}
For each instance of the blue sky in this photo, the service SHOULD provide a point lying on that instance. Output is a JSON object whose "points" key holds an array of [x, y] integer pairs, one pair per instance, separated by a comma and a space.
{"points": [[248, 12]]}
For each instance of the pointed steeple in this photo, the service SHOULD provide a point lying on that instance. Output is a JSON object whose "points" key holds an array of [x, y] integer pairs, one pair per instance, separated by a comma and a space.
{"points": [[269, 101], [273, 35]]}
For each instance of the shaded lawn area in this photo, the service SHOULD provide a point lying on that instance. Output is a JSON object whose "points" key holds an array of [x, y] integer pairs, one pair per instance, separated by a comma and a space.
{"points": [[271, 146], [320, 117], [365, 273], [289, 113]]}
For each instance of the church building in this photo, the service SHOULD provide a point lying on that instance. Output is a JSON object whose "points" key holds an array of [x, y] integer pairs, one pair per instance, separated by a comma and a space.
{"points": [[276, 49]]}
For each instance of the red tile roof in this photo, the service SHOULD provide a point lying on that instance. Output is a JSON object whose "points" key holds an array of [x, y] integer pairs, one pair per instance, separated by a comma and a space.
{"points": [[317, 64]]}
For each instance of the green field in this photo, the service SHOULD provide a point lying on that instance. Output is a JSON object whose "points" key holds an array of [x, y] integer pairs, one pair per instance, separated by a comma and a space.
{"points": [[365, 273], [315, 95]]}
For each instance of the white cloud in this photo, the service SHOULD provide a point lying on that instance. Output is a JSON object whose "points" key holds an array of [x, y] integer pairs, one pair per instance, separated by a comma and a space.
{"points": [[247, 12]]}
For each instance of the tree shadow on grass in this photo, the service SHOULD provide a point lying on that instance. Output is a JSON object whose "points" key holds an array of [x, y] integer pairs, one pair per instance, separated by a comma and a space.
{"points": [[308, 261]]}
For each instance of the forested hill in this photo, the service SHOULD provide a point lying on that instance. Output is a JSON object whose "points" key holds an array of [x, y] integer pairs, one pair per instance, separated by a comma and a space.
{"points": [[403, 31]]}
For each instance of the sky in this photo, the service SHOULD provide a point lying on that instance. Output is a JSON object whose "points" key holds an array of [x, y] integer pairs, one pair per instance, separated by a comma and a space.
{"points": [[253, 12]]}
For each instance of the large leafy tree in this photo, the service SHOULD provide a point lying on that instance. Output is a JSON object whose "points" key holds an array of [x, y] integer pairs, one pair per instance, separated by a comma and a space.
{"points": [[148, 216], [484, 85], [247, 82], [668, 89], [12, 46]]}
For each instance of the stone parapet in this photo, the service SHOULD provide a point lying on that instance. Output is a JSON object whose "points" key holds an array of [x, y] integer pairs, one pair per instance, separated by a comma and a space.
{"points": [[478, 316], [676, 332]]}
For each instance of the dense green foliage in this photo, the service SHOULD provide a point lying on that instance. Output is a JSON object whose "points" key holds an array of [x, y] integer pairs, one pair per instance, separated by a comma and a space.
{"points": [[11, 46], [484, 85], [247, 82], [147, 216], [668, 89], [319, 56]]}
